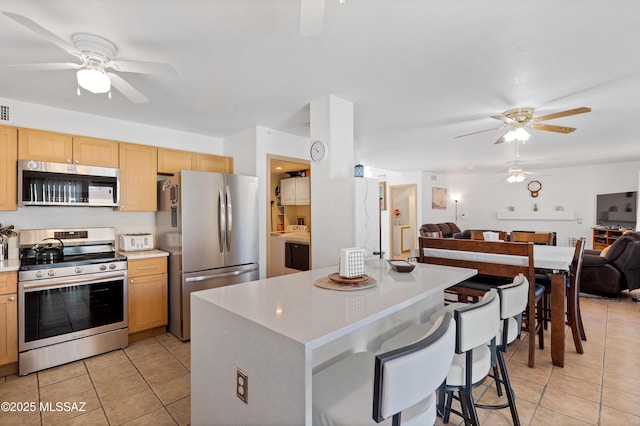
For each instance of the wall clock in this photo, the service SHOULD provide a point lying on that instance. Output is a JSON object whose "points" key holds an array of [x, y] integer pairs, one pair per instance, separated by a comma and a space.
{"points": [[319, 151], [534, 186]]}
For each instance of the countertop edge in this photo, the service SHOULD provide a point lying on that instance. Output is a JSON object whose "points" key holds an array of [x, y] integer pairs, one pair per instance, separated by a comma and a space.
{"points": [[143, 254]]}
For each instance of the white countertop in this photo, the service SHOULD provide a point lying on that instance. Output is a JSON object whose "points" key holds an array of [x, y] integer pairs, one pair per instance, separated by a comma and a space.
{"points": [[9, 265], [293, 306], [143, 254]]}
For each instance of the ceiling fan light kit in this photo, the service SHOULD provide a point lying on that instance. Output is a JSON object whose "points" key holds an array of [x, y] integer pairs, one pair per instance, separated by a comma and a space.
{"points": [[519, 134], [93, 80]]}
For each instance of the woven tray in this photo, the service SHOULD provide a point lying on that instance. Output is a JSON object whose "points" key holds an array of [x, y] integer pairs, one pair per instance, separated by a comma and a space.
{"points": [[326, 282], [336, 278]]}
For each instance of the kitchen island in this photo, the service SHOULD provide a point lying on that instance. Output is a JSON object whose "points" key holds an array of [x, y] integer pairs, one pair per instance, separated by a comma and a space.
{"points": [[280, 330]]}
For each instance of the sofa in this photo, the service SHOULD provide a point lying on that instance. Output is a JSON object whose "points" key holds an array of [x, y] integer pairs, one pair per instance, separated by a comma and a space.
{"points": [[613, 269], [448, 229]]}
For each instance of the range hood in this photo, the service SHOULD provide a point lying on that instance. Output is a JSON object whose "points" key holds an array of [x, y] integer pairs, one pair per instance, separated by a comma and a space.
{"points": [[59, 184]]}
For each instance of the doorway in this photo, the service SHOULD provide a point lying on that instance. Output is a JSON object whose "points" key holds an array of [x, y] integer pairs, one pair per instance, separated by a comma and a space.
{"points": [[283, 211], [403, 221]]}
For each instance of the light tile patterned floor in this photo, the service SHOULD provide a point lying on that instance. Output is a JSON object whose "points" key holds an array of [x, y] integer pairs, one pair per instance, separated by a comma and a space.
{"points": [[149, 382], [599, 387], [145, 383]]}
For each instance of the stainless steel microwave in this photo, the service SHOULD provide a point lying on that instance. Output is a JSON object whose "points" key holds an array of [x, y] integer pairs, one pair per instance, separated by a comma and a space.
{"points": [[59, 184]]}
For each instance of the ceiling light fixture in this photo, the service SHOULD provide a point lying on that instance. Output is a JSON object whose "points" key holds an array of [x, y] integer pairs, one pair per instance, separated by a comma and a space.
{"points": [[519, 134], [515, 177], [94, 80]]}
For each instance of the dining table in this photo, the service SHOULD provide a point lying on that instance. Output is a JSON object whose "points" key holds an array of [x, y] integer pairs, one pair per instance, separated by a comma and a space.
{"points": [[556, 261]]}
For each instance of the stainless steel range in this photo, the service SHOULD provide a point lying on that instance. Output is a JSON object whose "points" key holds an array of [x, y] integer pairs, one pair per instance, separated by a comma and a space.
{"points": [[72, 296]]}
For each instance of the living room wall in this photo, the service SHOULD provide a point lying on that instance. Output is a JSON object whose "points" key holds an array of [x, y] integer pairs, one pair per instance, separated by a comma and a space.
{"points": [[573, 189]]}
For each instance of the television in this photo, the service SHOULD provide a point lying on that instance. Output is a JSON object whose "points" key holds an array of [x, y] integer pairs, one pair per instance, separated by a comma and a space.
{"points": [[617, 210]]}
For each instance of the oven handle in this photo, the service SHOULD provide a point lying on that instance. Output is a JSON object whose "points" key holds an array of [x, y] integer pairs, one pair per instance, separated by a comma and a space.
{"points": [[70, 281]]}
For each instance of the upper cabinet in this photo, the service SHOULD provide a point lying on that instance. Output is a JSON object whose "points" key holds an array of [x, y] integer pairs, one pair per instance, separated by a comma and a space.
{"points": [[96, 152], [138, 170], [171, 161], [54, 147], [8, 167], [214, 163], [295, 191]]}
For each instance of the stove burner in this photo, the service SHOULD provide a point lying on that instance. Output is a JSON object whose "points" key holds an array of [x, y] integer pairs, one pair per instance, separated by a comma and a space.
{"points": [[33, 263]]}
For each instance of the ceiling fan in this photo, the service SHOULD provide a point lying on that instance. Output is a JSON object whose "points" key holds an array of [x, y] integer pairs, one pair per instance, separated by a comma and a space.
{"points": [[97, 57], [517, 120], [516, 174]]}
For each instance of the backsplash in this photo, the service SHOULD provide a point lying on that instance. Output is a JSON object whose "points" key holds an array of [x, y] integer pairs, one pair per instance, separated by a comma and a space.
{"points": [[77, 217]]}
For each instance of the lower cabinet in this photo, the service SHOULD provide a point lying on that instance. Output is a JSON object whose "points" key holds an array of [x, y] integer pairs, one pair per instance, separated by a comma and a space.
{"points": [[8, 318], [147, 292]]}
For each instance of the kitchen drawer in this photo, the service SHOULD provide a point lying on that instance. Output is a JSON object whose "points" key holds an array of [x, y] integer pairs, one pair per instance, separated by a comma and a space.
{"points": [[8, 282], [149, 266]]}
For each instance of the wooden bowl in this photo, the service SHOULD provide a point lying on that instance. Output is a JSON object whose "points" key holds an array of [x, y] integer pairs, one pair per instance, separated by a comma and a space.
{"points": [[401, 265]]}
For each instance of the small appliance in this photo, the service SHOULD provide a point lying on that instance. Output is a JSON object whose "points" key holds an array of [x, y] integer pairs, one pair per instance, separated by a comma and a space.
{"points": [[134, 242]]}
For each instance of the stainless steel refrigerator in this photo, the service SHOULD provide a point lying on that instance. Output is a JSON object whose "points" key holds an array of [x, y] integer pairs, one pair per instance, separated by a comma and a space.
{"points": [[208, 222]]}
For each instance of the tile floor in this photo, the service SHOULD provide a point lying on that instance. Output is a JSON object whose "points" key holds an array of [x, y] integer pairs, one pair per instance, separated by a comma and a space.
{"points": [[149, 382]]}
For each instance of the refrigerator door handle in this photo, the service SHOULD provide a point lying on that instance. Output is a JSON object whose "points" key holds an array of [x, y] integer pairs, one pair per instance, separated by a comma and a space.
{"points": [[229, 228], [208, 277], [222, 219]]}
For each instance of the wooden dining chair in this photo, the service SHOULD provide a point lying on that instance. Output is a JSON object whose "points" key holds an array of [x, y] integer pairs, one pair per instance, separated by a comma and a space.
{"points": [[573, 315], [542, 238], [478, 235]]}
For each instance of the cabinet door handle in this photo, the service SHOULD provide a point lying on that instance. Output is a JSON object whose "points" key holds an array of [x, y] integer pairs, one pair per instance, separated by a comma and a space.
{"points": [[77, 161], [12, 298], [130, 281], [147, 268]]}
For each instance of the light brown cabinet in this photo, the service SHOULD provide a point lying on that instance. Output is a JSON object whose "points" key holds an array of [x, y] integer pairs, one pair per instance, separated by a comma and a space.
{"points": [[138, 171], [214, 163], [96, 152], [147, 292], [54, 147], [8, 167], [171, 161], [8, 318]]}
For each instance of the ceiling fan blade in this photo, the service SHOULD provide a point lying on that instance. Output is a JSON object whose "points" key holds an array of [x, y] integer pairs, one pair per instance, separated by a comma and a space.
{"points": [[126, 89], [574, 111], [36, 28], [551, 128], [143, 67], [504, 119], [46, 66], [501, 140], [311, 17], [480, 131]]}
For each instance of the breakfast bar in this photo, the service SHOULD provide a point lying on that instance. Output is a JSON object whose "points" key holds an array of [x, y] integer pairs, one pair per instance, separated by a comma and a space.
{"points": [[272, 335]]}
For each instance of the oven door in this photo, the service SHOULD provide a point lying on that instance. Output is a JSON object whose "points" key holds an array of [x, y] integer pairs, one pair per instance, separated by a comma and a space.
{"points": [[56, 310]]}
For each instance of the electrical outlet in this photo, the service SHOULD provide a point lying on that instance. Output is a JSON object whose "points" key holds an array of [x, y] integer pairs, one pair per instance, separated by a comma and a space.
{"points": [[242, 386]]}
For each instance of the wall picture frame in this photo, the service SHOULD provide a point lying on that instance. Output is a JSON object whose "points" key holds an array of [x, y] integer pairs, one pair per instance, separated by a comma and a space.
{"points": [[382, 194], [438, 198]]}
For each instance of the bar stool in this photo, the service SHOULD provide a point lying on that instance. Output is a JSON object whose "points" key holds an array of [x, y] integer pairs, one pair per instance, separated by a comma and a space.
{"points": [[476, 324], [368, 389]]}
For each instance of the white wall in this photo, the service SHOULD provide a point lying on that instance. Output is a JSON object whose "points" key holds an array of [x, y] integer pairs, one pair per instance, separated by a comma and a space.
{"points": [[574, 189]]}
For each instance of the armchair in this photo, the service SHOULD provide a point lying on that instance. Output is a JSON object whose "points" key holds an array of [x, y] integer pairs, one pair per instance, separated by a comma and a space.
{"points": [[614, 269]]}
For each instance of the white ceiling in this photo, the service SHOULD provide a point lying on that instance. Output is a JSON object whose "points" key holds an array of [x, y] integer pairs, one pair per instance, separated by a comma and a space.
{"points": [[418, 72]]}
